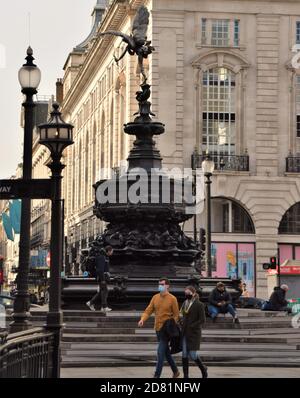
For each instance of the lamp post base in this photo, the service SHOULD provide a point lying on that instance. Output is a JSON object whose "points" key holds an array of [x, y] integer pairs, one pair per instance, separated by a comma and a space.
{"points": [[21, 315], [20, 323], [54, 324]]}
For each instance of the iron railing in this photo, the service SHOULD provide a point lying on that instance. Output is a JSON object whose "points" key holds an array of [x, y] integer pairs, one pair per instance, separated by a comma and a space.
{"points": [[223, 161], [293, 164], [27, 354]]}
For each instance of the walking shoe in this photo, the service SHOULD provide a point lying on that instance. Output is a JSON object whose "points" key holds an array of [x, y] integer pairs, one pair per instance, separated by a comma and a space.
{"points": [[185, 367], [236, 319], [91, 306], [202, 367], [107, 309], [176, 374]]}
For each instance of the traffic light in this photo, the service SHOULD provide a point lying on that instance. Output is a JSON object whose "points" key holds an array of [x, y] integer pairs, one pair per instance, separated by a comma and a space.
{"points": [[202, 240], [1, 270], [271, 265], [273, 262]]}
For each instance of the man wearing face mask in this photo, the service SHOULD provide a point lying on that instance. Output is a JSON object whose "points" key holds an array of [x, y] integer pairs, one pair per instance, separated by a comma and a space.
{"points": [[165, 306], [192, 319]]}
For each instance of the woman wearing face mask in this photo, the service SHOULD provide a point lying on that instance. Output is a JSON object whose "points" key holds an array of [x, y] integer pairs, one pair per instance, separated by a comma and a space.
{"points": [[192, 318]]}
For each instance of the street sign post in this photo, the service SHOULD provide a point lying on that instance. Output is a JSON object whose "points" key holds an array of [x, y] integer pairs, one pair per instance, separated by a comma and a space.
{"points": [[32, 189]]}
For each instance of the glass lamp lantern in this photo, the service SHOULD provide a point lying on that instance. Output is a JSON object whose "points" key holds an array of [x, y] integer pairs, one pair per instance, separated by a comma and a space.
{"points": [[29, 74], [56, 134], [208, 165]]}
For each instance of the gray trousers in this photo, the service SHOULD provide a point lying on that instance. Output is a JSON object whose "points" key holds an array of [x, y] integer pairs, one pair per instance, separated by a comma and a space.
{"points": [[102, 293]]}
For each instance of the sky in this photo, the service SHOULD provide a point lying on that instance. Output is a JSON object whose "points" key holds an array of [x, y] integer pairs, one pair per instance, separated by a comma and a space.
{"points": [[56, 26]]}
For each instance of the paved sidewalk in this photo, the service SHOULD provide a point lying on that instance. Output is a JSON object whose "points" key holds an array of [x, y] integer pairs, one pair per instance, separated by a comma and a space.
{"points": [[147, 372]]}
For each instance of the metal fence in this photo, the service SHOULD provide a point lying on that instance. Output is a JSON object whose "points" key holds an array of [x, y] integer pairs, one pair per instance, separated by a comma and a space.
{"points": [[27, 354], [224, 162]]}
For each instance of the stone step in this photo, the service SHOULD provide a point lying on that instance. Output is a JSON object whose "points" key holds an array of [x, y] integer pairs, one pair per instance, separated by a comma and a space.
{"points": [[69, 337], [206, 355], [135, 315], [217, 346], [238, 362]]}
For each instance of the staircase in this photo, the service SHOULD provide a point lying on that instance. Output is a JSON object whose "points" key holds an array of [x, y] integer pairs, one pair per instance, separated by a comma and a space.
{"points": [[91, 339]]}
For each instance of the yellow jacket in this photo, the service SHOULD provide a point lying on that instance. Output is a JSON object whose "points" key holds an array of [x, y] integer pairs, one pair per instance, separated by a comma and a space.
{"points": [[164, 306]]}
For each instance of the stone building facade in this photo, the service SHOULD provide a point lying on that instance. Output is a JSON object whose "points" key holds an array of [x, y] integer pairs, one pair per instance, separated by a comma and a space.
{"points": [[222, 80]]}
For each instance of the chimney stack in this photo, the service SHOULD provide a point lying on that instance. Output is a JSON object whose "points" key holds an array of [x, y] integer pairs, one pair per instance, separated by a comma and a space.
{"points": [[59, 91]]}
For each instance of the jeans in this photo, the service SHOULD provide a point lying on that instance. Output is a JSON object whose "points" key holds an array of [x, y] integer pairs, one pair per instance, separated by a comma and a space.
{"points": [[102, 293], [193, 355], [214, 311], [163, 352]]}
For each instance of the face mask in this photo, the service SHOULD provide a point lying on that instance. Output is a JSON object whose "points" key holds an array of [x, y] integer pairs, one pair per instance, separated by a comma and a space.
{"points": [[161, 288], [188, 296]]}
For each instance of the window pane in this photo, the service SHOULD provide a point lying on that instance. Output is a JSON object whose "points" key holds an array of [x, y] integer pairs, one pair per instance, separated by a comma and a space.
{"points": [[203, 31], [220, 32], [218, 104], [298, 32], [236, 32]]}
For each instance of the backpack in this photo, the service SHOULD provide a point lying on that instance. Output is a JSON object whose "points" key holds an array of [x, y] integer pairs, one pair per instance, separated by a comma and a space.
{"points": [[91, 266]]}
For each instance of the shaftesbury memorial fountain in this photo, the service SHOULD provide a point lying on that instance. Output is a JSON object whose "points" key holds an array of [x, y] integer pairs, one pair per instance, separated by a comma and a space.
{"points": [[145, 234]]}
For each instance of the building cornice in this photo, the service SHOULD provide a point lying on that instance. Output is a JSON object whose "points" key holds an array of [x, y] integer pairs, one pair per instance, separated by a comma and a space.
{"points": [[112, 19]]}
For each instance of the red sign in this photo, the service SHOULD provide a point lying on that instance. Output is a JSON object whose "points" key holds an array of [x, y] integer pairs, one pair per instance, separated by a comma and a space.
{"points": [[290, 270]]}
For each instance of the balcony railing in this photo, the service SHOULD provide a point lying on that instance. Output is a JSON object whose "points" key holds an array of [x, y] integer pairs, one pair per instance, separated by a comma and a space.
{"points": [[293, 164], [223, 161], [27, 354]]}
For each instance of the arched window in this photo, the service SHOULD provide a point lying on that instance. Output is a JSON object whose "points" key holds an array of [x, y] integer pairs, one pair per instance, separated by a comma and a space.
{"points": [[86, 173], [94, 151], [79, 191], [102, 140], [73, 196], [290, 223], [122, 134], [111, 134], [230, 217], [218, 111]]}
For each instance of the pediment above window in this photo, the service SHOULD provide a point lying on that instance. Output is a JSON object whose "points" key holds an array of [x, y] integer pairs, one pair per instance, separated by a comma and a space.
{"points": [[221, 59]]}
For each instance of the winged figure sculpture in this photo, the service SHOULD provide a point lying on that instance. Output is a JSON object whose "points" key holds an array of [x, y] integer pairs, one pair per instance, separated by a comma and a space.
{"points": [[137, 43]]}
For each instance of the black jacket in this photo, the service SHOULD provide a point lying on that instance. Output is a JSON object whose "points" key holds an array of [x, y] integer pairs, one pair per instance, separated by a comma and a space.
{"points": [[101, 266], [171, 333], [277, 299], [192, 322], [216, 297]]}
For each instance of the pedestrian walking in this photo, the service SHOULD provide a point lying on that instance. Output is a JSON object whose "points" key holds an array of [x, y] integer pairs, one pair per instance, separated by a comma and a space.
{"points": [[102, 277], [165, 307], [192, 319]]}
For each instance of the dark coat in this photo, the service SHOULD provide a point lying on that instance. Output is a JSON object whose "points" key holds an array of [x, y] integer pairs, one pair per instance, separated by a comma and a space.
{"points": [[192, 323], [277, 299], [101, 266], [216, 297], [171, 333]]}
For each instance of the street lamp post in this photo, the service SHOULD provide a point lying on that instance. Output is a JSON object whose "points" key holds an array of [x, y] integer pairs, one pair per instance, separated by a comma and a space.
{"points": [[208, 167], [195, 156], [29, 78], [56, 135]]}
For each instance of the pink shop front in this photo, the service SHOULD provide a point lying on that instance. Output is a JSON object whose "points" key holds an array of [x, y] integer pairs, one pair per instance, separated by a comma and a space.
{"points": [[236, 261]]}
